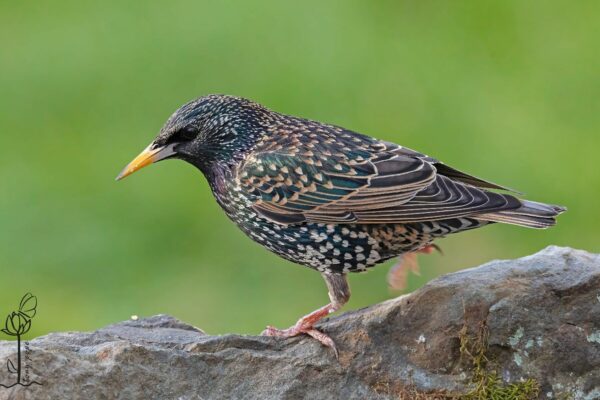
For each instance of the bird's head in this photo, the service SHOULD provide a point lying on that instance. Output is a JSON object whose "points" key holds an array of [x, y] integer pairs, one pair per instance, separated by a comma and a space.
{"points": [[213, 128]]}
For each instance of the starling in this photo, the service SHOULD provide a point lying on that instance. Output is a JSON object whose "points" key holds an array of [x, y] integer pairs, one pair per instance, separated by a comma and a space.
{"points": [[326, 197]]}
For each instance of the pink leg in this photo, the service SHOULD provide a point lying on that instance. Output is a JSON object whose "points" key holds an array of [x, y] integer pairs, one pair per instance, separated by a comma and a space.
{"points": [[339, 293], [306, 325], [398, 274]]}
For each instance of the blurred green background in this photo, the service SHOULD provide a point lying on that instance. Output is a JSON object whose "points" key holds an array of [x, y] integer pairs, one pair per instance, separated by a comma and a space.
{"points": [[506, 90]]}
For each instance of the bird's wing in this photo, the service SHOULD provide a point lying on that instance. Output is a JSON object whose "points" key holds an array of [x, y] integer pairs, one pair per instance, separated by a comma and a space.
{"points": [[449, 172], [356, 179]]}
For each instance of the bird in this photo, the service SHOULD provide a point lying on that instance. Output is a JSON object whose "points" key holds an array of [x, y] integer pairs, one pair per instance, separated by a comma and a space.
{"points": [[326, 197]]}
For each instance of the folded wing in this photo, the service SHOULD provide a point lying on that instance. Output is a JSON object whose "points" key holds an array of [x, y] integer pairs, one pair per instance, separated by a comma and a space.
{"points": [[351, 178]]}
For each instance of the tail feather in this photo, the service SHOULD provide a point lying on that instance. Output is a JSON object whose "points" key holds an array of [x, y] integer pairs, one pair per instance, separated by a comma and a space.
{"points": [[531, 214]]}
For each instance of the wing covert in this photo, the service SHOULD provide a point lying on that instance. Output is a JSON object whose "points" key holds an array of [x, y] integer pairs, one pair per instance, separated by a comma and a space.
{"points": [[332, 184], [331, 175]]}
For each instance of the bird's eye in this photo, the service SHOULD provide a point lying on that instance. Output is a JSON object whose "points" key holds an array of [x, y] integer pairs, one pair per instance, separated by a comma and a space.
{"points": [[187, 133]]}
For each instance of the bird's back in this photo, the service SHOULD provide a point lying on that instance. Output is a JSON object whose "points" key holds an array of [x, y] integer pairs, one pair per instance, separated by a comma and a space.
{"points": [[340, 201], [305, 171]]}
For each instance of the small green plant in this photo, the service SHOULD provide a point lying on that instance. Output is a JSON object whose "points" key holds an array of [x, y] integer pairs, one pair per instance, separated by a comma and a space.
{"points": [[487, 384]]}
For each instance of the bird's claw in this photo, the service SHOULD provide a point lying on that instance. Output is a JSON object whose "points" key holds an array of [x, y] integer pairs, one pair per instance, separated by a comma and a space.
{"points": [[299, 329]]}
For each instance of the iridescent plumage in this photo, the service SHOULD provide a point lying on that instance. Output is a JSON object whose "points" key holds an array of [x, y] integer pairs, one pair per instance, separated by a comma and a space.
{"points": [[328, 198]]}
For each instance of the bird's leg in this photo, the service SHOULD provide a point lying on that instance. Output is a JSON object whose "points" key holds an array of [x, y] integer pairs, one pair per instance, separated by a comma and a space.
{"points": [[398, 274], [339, 293]]}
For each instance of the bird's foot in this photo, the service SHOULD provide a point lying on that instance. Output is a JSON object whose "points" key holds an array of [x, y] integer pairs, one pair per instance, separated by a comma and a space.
{"points": [[306, 325], [398, 275], [430, 248]]}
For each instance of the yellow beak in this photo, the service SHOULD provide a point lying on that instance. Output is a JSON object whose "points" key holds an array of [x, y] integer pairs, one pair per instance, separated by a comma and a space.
{"points": [[145, 158]]}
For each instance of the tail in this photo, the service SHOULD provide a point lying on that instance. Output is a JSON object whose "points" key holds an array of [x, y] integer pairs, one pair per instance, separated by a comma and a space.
{"points": [[531, 215]]}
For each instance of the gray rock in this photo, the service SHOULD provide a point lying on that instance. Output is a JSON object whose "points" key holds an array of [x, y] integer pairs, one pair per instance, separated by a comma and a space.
{"points": [[540, 315]]}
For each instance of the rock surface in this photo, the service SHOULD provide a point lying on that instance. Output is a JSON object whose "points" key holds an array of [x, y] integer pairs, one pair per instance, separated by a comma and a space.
{"points": [[538, 316]]}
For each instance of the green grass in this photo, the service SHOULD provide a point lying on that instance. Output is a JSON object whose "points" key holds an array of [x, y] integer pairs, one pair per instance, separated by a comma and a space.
{"points": [[505, 90]]}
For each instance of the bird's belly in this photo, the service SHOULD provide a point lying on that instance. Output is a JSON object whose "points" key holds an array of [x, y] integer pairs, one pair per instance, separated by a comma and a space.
{"points": [[338, 248], [327, 247]]}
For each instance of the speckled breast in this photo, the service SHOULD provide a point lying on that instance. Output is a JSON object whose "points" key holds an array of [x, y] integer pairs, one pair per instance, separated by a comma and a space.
{"points": [[326, 247]]}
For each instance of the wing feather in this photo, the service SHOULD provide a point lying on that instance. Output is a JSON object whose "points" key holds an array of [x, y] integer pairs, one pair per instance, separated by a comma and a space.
{"points": [[337, 176]]}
